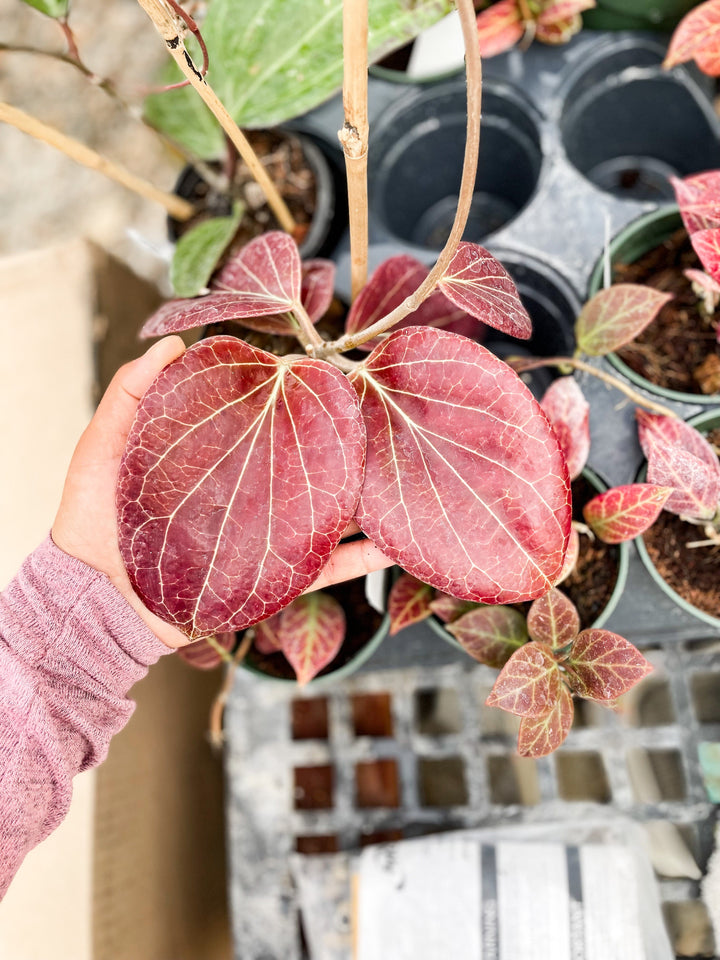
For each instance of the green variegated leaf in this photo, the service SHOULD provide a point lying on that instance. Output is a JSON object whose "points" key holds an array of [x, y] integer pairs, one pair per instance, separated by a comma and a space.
{"points": [[602, 666], [615, 316], [198, 252], [539, 737], [553, 619], [52, 8], [490, 634]]}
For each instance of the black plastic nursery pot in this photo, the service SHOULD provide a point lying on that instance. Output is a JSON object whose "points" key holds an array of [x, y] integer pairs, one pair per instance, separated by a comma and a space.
{"points": [[310, 159], [416, 155], [643, 235], [627, 125], [704, 422], [591, 484]]}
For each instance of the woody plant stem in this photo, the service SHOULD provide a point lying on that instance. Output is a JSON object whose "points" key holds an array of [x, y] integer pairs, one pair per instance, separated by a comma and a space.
{"points": [[166, 25], [473, 68]]}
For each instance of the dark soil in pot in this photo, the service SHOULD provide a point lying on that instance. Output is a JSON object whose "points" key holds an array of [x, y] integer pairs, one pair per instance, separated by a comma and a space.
{"points": [[678, 350], [363, 622], [693, 573]]}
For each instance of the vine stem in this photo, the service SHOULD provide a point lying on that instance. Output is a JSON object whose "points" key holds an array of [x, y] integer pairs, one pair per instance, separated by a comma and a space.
{"points": [[309, 338], [467, 186], [175, 206], [217, 709], [166, 26], [354, 135], [521, 365]]}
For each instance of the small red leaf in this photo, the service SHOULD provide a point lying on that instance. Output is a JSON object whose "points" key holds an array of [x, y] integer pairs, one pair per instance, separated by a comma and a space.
{"points": [[465, 484], [571, 557], [680, 457], [569, 413], [706, 244], [697, 37], [408, 602], [615, 316], [479, 284], [553, 619], [311, 632], [499, 28], [623, 513], [316, 288], [529, 684], [490, 634], [267, 639], [447, 608], [539, 737], [204, 655], [240, 475], [698, 197], [394, 281], [602, 666]]}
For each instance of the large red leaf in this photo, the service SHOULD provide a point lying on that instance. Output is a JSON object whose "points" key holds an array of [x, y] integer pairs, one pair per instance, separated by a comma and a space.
{"points": [[408, 602], [553, 619], [240, 475], [529, 684], [622, 513], [394, 281], [602, 666], [465, 485], [499, 28], [680, 457], [698, 197], [697, 37], [538, 738], [569, 413], [615, 316], [490, 634], [311, 632], [706, 244], [479, 284]]}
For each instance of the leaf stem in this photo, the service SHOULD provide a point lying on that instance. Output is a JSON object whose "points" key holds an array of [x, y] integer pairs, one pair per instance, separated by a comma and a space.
{"points": [[522, 364], [467, 187], [307, 334], [354, 135], [73, 51], [178, 208], [166, 26], [217, 710]]}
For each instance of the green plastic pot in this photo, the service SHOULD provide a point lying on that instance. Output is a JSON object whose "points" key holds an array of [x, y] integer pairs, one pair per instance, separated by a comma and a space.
{"points": [[623, 560], [704, 422], [630, 244], [662, 15]]}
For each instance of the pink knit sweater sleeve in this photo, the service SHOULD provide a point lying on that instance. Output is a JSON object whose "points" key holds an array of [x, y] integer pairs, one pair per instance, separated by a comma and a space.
{"points": [[70, 649]]}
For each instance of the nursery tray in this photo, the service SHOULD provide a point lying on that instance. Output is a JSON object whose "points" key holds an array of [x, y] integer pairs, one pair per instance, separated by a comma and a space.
{"points": [[591, 132]]}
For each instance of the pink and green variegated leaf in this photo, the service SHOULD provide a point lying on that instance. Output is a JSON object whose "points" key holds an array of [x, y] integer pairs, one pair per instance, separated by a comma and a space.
{"points": [[448, 609], [623, 513], [465, 485], [680, 457], [697, 37], [615, 316], [553, 619], [539, 737], [479, 284], [312, 630], [394, 281], [204, 655], [499, 28], [408, 602], [263, 279], [698, 197], [706, 244], [571, 557], [602, 666], [529, 684], [569, 413], [267, 638], [490, 634], [240, 475]]}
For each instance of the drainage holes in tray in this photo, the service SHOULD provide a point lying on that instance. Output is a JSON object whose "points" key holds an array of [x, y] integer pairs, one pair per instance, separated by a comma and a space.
{"points": [[437, 712], [513, 780], [377, 784], [418, 148], [380, 836], [442, 782], [310, 719], [653, 706], [656, 775], [581, 776], [372, 715], [314, 788], [635, 127], [326, 843], [588, 714], [706, 696]]}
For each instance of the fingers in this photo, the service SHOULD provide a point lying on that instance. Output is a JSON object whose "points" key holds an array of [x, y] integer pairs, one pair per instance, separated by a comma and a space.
{"points": [[351, 560]]}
